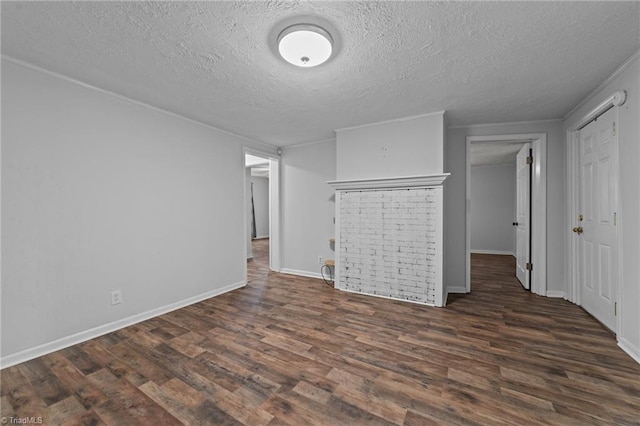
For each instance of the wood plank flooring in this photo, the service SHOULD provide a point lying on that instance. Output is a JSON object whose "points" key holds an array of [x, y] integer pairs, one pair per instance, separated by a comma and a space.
{"points": [[292, 351]]}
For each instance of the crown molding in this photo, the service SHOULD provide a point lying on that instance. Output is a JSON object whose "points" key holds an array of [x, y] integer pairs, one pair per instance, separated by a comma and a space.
{"points": [[520, 123], [395, 120], [71, 80], [622, 68], [303, 144], [404, 182]]}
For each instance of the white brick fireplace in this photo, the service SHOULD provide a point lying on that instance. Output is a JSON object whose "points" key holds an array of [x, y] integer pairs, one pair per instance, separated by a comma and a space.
{"points": [[389, 237]]}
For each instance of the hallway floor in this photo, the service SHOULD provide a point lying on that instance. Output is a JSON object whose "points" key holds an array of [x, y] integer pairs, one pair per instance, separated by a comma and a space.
{"points": [[258, 265]]}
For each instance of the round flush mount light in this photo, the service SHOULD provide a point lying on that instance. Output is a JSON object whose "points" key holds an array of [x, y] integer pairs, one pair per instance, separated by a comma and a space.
{"points": [[305, 45]]}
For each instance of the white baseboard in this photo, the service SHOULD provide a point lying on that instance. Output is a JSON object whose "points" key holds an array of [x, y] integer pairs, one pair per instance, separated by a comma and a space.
{"points": [[390, 298], [301, 273], [630, 349], [83, 336], [505, 253], [261, 237], [451, 290], [556, 293]]}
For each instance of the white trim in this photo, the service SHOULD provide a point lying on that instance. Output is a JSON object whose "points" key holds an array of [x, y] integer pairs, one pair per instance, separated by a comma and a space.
{"points": [[83, 336], [538, 200], [303, 144], [572, 149], [275, 204], [337, 245], [629, 348], [32, 67], [556, 294], [539, 216], [622, 68], [301, 273], [520, 123], [391, 298], [440, 300], [275, 247], [394, 120], [456, 290], [258, 153], [497, 252], [389, 183], [615, 100]]}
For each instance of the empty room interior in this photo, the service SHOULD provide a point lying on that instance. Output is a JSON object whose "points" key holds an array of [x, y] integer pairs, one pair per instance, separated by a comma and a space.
{"points": [[311, 212]]}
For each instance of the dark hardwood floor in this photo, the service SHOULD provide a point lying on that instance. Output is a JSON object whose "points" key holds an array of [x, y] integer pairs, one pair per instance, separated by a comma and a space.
{"points": [[290, 350]]}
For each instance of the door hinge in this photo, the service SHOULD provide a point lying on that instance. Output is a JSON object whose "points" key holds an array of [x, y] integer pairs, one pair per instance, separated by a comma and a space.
{"points": [[529, 266], [615, 309], [615, 219], [529, 160]]}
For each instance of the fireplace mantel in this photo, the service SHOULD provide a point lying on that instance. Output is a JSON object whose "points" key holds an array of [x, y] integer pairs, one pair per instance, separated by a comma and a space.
{"points": [[422, 181]]}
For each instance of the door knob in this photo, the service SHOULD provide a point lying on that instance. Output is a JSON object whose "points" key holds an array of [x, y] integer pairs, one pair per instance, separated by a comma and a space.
{"points": [[578, 230], [515, 223]]}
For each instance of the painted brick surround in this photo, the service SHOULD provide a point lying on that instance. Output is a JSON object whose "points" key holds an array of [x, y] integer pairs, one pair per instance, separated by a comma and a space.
{"points": [[389, 238]]}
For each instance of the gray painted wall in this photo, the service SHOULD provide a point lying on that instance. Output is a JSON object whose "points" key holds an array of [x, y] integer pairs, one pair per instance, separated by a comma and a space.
{"points": [[100, 194], [406, 147], [308, 206], [493, 202]]}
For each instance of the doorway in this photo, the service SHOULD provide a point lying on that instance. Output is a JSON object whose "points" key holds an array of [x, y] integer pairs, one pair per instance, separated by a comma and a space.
{"points": [[507, 146], [261, 196]]}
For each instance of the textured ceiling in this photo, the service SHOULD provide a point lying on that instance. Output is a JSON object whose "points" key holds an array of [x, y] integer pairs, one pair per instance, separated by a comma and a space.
{"points": [[214, 62]]}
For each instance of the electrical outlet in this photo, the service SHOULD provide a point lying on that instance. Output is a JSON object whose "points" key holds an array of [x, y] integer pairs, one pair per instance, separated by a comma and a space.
{"points": [[319, 260], [116, 297]]}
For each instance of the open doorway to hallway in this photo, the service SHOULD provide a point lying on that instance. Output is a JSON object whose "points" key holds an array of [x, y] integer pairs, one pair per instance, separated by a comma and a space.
{"points": [[260, 201], [498, 226], [505, 174]]}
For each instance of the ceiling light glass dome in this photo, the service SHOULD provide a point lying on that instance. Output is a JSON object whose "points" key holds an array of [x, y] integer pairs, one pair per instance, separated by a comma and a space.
{"points": [[305, 45]]}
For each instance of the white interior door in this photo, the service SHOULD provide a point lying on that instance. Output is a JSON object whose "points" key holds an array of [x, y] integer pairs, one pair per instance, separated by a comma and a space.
{"points": [[523, 216], [598, 259]]}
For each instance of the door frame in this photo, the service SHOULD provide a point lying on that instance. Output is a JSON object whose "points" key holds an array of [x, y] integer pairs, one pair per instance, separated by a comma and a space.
{"points": [[526, 152], [275, 248], [573, 198], [538, 220]]}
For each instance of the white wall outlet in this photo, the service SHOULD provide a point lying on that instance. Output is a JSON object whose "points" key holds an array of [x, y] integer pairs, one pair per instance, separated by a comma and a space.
{"points": [[319, 260], [116, 297]]}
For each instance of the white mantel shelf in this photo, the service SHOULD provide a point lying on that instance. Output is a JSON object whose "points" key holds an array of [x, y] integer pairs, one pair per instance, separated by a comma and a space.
{"points": [[423, 181]]}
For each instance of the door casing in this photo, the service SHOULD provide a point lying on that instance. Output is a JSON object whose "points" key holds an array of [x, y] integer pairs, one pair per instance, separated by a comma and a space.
{"points": [[538, 201], [275, 249]]}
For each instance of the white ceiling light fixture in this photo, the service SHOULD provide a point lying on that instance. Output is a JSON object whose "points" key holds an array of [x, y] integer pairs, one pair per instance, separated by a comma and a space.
{"points": [[305, 45]]}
